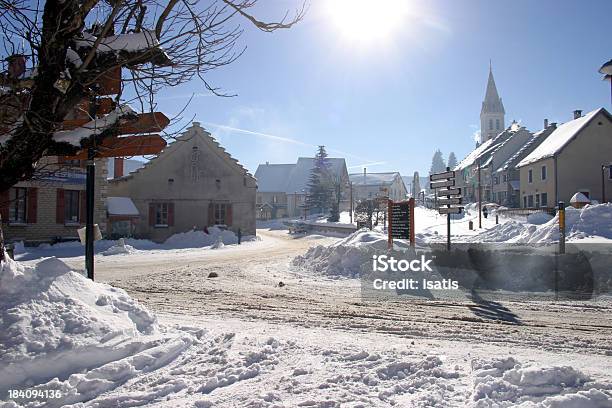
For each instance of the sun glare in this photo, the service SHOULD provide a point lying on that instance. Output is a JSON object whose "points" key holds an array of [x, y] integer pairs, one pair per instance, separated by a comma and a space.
{"points": [[365, 21]]}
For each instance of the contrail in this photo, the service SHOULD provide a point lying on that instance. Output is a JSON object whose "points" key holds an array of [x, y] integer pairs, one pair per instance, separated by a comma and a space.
{"points": [[289, 140], [380, 163]]}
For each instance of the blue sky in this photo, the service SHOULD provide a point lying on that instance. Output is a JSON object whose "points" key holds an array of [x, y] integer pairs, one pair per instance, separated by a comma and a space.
{"points": [[392, 101]]}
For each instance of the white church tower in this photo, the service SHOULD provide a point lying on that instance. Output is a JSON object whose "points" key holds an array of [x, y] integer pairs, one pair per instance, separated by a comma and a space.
{"points": [[492, 112]]}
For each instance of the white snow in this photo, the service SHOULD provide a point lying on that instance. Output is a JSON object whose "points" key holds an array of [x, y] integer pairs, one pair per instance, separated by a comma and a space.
{"points": [[121, 206], [373, 179], [93, 127], [130, 42], [591, 221], [558, 139], [579, 198]]}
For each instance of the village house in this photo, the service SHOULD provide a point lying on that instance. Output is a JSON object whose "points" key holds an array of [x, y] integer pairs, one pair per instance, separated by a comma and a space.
{"points": [[507, 180], [571, 159], [372, 185], [485, 159], [50, 207], [192, 183], [282, 188]]}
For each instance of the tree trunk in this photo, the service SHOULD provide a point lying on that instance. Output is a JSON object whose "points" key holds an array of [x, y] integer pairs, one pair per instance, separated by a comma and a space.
{"points": [[1, 241]]}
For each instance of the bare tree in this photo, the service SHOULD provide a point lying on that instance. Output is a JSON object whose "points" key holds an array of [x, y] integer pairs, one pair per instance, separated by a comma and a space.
{"points": [[57, 52]]}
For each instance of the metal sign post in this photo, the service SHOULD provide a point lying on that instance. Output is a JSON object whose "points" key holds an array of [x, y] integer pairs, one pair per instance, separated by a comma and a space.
{"points": [[444, 184], [401, 221]]}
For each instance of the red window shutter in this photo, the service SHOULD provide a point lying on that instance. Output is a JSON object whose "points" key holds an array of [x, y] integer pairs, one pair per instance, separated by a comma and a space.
{"points": [[151, 214], [4, 205], [32, 210], [83, 209], [228, 215], [170, 214], [211, 214], [59, 206]]}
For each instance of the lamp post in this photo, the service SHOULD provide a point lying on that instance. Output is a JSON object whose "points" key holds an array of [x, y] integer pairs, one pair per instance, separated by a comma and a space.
{"points": [[606, 71]]}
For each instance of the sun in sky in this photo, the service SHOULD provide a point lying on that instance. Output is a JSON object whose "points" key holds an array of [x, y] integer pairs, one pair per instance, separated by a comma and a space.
{"points": [[365, 22]]}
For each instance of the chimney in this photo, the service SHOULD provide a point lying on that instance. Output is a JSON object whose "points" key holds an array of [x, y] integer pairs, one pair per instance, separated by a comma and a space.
{"points": [[553, 125], [577, 113], [16, 65], [118, 167], [545, 123]]}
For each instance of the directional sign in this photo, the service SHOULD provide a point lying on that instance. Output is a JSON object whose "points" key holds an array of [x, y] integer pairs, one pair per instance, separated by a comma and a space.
{"points": [[450, 210], [125, 146], [450, 192], [439, 184], [449, 201], [400, 220], [442, 176]]}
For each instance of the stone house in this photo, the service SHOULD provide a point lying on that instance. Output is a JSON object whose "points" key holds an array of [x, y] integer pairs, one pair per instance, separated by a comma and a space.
{"points": [[372, 185], [192, 183], [50, 207], [573, 158], [282, 188]]}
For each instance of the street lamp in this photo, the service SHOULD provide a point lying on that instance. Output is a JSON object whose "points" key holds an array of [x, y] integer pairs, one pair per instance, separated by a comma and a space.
{"points": [[606, 71]]}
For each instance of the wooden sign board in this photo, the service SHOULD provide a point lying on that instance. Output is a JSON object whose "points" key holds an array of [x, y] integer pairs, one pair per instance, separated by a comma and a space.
{"points": [[449, 201], [450, 192], [450, 210], [146, 123], [125, 146], [442, 176], [440, 184], [400, 220]]}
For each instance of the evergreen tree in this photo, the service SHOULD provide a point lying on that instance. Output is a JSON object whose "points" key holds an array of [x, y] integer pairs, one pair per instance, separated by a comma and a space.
{"points": [[318, 198], [437, 163], [452, 160]]}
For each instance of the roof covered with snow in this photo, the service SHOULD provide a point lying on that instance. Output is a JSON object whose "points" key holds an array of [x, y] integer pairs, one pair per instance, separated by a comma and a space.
{"points": [[527, 148], [292, 178], [121, 206], [373, 179], [483, 152], [558, 139]]}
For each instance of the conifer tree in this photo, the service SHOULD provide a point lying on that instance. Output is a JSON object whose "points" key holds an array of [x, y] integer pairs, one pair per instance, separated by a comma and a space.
{"points": [[452, 160], [437, 163], [318, 198]]}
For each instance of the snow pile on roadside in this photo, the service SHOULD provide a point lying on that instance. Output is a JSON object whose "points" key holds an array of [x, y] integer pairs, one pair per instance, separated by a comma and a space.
{"points": [[507, 383], [590, 221], [64, 332], [120, 248], [345, 257], [198, 238]]}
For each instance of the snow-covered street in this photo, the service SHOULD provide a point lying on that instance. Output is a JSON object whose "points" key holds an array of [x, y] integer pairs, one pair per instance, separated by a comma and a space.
{"points": [[281, 320]]}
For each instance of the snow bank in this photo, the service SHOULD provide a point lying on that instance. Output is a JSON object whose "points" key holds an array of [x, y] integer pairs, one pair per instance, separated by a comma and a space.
{"points": [[590, 221], [197, 239], [56, 322], [507, 383], [345, 257], [120, 248]]}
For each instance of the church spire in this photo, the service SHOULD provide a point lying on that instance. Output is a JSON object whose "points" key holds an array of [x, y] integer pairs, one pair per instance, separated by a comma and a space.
{"points": [[492, 102], [492, 111]]}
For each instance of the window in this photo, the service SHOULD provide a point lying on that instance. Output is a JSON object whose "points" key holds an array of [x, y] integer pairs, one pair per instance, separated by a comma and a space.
{"points": [[161, 214], [490, 124], [220, 214], [543, 173], [537, 200], [530, 201], [530, 176], [496, 180], [505, 178], [610, 172], [71, 206], [17, 207], [497, 124], [524, 201], [544, 200]]}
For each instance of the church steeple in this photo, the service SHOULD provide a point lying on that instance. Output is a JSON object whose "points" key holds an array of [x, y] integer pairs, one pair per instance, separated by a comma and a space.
{"points": [[492, 111]]}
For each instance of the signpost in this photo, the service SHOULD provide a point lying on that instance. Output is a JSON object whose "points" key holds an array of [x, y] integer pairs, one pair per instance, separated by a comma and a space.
{"points": [[450, 195], [401, 221]]}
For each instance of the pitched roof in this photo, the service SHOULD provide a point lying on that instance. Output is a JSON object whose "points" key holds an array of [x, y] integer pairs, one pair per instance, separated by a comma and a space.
{"points": [[273, 178], [291, 178], [527, 148], [492, 102], [373, 179], [559, 138]]}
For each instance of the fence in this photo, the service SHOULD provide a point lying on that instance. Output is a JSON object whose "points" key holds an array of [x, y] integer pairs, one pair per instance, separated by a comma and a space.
{"points": [[525, 212]]}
